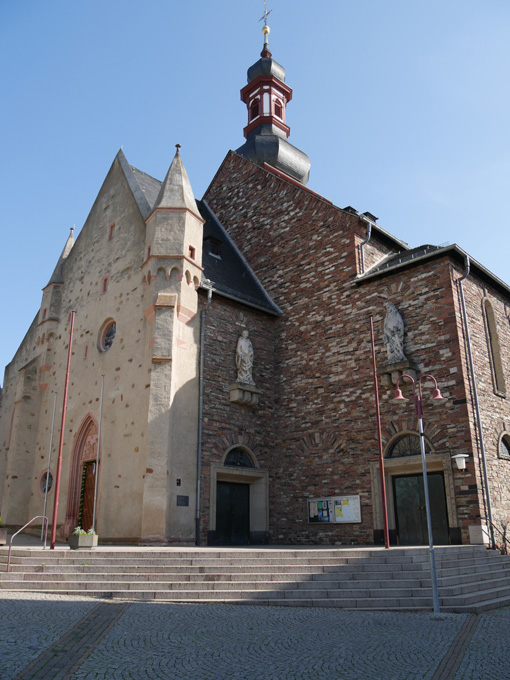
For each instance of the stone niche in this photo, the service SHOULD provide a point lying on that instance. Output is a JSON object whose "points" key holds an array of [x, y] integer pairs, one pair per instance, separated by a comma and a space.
{"points": [[242, 393], [390, 373]]}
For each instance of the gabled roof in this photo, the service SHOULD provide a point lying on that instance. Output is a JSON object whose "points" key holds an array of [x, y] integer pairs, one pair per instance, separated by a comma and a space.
{"points": [[230, 274], [425, 253], [228, 271]]}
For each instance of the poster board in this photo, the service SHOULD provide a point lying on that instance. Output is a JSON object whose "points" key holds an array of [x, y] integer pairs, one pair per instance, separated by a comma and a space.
{"points": [[334, 510]]}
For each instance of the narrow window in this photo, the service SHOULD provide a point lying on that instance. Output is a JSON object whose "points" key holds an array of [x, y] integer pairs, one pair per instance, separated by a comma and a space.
{"points": [[278, 109], [104, 284], [254, 109], [494, 349], [191, 253], [111, 229], [148, 251], [45, 311]]}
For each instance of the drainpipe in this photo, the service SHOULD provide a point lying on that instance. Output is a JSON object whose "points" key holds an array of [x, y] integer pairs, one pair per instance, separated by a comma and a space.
{"points": [[475, 400], [209, 285], [363, 243]]}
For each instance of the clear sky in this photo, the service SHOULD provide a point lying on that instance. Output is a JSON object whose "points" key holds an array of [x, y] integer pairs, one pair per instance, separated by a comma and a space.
{"points": [[403, 107]]}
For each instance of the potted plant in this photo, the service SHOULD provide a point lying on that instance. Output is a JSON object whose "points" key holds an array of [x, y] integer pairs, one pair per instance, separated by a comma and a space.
{"points": [[3, 534], [81, 539]]}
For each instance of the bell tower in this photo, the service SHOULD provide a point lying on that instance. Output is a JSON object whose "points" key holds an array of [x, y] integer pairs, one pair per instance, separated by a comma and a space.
{"points": [[266, 96]]}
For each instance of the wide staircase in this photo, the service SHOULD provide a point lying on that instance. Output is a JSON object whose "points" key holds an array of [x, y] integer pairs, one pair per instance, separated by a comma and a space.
{"points": [[470, 578]]}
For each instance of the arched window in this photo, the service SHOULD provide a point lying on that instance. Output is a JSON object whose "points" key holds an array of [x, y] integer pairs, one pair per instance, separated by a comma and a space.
{"points": [[407, 445], [504, 446], [494, 349], [239, 458], [254, 109], [107, 335]]}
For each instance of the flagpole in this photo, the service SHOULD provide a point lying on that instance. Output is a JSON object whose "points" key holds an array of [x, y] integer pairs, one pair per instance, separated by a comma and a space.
{"points": [[61, 443], [97, 453], [49, 463], [379, 437]]}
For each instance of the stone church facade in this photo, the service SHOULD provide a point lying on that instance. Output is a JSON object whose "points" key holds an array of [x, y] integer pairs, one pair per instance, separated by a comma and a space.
{"points": [[233, 334]]}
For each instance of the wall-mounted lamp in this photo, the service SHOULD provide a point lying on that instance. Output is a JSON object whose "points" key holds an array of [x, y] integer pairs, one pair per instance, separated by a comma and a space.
{"points": [[460, 459]]}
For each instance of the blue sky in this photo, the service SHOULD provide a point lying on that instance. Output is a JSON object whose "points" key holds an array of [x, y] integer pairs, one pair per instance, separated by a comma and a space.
{"points": [[403, 107]]}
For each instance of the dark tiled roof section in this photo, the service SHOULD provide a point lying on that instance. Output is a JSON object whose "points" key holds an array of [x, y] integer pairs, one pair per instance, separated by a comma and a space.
{"points": [[149, 185], [395, 260], [229, 272]]}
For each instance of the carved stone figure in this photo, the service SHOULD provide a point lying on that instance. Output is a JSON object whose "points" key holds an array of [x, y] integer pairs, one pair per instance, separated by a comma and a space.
{"points": [[244, 359], [394, 334]]}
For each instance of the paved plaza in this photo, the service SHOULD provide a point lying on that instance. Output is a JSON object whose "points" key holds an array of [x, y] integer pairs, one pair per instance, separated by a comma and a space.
{"points": [[56, 637]]}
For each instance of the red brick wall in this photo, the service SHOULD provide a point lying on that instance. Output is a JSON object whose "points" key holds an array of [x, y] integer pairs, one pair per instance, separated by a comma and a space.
{"points": [[225, 423], [306, 254]]}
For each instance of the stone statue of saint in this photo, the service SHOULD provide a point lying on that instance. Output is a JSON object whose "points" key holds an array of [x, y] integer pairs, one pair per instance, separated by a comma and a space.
{"points": [[244, 359], [394, 334]]}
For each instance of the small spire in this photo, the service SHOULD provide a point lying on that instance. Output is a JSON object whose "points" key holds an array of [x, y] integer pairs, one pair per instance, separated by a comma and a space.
{"points": [[265, 30]]}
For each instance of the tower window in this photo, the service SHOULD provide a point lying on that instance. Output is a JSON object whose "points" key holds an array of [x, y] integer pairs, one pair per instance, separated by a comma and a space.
{"points": [[111, 230], [104, 284], [254, 109], [278, 108], [192, 253]]}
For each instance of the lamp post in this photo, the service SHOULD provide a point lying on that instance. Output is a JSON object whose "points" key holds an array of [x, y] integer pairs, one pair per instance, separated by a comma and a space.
{"points": [[418, 407]]}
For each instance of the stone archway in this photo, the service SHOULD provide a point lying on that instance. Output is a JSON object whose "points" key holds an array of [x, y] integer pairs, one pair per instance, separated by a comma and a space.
{"points": [[84, 453]]}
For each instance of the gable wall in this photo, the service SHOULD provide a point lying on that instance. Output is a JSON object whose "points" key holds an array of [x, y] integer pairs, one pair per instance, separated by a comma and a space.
{"points": [[305, 253]]}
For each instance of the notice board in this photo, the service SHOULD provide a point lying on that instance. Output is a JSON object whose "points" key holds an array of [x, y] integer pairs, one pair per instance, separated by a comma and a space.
{"points": [[336, 509]]}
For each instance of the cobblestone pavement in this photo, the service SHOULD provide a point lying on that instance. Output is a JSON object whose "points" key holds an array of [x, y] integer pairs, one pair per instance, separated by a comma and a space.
{"points": [[49, 637]]}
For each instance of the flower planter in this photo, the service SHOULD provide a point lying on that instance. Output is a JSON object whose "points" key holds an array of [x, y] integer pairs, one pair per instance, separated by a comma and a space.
{"points": [[82, 542], [3, 536]]}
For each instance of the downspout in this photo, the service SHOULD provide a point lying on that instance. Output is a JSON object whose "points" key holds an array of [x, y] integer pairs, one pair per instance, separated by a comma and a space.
{"points": [[476, 401], [208, 284], [363, 243]]}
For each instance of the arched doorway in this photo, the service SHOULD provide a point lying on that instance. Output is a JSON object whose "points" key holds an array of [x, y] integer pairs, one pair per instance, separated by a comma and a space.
{"points": [[239, 500], [80, 495], [408, 493]]}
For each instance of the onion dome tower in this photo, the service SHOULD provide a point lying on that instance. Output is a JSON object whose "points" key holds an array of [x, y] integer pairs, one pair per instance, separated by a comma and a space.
{"points": [[266, 96]]}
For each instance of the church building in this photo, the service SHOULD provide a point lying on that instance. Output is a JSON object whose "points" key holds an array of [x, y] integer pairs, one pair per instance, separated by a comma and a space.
{"points": [[221, 374]]}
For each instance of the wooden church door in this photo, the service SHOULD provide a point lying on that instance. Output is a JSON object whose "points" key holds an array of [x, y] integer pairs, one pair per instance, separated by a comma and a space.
{"points": [[232, 514], [86, 517]]}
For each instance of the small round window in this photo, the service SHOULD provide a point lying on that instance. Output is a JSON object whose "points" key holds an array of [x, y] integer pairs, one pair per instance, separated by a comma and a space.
{"points": [[46, 479], [107, 335]]}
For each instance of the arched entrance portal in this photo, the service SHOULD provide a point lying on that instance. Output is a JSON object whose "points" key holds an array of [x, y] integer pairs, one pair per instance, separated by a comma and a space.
{"points": [[405, 494], [239, 500], [80, 495]]}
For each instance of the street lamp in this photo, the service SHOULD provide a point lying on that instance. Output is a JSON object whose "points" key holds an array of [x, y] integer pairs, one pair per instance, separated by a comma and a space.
{"points": [[418, 407]]}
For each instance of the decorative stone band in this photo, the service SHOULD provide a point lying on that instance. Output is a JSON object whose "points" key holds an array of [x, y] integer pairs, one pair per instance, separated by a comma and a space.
{"points": [[241, 393]]}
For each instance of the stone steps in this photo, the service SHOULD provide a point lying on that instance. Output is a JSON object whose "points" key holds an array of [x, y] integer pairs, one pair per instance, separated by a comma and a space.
{"points": [[470, 578]]}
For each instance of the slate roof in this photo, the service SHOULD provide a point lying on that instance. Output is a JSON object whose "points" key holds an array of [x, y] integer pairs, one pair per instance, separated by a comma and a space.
{"points": [[230, 274], [415, 256]]}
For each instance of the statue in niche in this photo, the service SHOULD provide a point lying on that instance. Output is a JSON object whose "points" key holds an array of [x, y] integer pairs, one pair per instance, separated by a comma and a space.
{"points": [[394, 334], [244, 359]]}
